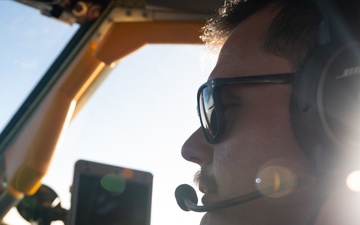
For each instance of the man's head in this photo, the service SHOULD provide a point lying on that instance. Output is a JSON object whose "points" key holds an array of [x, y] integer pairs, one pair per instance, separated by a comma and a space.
{"points": [[258, 148], [291, 34]]}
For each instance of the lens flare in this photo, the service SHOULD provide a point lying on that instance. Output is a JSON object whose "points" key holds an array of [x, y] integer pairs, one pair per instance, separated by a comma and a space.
{"points": [[275, 181], [128, 173], [353, 181], [114, 183]]}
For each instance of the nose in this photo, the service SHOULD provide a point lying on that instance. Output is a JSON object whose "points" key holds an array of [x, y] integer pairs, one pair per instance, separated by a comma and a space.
{"points": [[197, 150]]}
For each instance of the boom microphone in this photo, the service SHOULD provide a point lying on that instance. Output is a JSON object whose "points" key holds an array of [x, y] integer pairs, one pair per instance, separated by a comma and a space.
{"points": [[187, 200]]}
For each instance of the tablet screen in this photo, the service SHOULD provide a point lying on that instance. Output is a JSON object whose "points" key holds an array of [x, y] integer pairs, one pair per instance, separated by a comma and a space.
{"points": [[111, 198]]}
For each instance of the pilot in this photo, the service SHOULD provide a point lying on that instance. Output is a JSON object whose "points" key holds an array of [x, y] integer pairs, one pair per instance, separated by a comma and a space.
{"points": [[248, 141]]}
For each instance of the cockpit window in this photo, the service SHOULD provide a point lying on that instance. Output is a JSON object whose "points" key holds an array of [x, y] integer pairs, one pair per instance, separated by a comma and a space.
{"points": [[30, 42]]}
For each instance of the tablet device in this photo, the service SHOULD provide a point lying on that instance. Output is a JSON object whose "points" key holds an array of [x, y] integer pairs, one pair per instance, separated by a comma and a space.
{"points": [[104, 194]]}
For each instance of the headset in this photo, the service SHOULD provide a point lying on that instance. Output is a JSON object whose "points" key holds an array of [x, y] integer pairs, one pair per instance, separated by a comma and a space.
{"points": [[325, 102]]}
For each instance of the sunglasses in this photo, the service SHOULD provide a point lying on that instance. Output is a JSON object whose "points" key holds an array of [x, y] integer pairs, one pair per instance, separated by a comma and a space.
{"points": [[209, 105]]}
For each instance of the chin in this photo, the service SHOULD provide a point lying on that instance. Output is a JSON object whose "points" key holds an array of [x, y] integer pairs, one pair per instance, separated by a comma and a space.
{"points": [[217, 218], [261, 211], [211, 219], [204, 220]]}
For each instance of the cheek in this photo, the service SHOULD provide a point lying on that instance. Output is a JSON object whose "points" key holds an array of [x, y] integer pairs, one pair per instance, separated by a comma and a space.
{"points": [[235, 169], [257, 140]]}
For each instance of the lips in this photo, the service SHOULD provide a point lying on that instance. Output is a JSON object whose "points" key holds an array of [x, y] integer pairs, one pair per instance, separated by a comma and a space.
{"points": [[205, 182], [209, 198], [207, 185]]}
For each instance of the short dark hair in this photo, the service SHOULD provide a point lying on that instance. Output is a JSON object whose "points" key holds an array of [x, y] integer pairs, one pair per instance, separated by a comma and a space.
{"points": [[292, 33]]}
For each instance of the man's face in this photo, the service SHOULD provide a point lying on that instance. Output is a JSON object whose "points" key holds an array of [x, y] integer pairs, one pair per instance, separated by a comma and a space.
{"points": [[258, 148]]}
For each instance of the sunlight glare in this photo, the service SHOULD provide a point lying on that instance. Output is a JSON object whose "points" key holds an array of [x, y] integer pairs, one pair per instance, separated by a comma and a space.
{"points": [[353, 181]]}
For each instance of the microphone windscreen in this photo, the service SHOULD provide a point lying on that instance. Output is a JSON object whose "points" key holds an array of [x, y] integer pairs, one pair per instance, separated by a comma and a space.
{"points": [[185, 192]]}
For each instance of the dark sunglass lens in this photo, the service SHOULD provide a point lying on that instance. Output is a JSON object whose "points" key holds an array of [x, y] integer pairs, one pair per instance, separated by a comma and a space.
{"points": [[207, 113]]}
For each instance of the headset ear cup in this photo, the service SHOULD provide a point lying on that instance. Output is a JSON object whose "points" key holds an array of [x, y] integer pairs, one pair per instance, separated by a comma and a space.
{"points": [[325, 103], [303, 110]]}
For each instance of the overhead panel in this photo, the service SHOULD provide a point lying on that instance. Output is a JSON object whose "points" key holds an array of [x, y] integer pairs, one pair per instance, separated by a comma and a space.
{"points": [[127, 30]]}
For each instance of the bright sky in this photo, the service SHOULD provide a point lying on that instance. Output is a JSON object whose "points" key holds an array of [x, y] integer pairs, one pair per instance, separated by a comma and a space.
{"points": [[29, 44], [138, 118]]}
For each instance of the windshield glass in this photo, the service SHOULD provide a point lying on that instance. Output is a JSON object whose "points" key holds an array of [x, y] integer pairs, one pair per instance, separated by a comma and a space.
{"points": [[30, 43]]}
